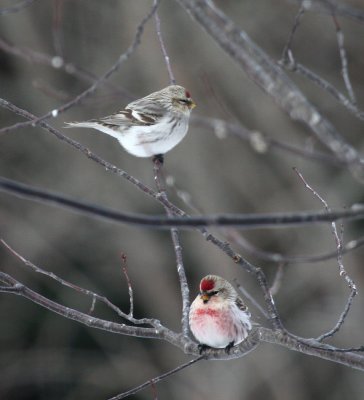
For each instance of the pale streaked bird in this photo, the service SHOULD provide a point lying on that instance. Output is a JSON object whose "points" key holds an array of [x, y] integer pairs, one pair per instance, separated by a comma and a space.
{"points": [[150, 126]]}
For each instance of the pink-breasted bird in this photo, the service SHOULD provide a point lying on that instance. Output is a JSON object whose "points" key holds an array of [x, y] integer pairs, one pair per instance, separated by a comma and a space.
{"points": [[218, 317]]}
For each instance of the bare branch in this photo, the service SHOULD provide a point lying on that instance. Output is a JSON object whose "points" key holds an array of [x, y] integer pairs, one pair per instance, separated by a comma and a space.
{"points": [[247, 221], [312, 347], [154, 391], [130, 288], [157, 379], [185, 292], [172, 79], [341, 319], [287, 48], [277, 282], [56, 27], [330, 89], [93, 304], [235, 237], [344, 60]]}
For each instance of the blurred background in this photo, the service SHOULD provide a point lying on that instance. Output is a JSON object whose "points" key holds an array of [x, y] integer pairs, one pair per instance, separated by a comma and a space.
{"points": [[49, 53]]}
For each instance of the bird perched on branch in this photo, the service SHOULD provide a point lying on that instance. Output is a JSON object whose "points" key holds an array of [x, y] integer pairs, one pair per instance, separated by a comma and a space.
{"points": [[218, 317], [150, 126]]}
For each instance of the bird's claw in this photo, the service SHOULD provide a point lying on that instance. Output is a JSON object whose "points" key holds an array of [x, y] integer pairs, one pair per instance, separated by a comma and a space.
{"points": [[229, 347], [158, 158], [202, 348]]}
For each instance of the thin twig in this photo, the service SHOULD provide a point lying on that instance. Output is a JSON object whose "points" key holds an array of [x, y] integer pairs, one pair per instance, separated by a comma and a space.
{"points": [[130, 288], [311, 347], [315, 344], [153, 388], [57, 27], [348, 350], [341, 319], [289, 62], [183, 195], [235, 237], [93, 304], [251, 299], [325, 85], [344, 60], [342, 271], [185, 293], [159, 178], [288, 47], [172, 79], [210, 89], [155, 380], [49, 90], [277, 282], [9, 289]]}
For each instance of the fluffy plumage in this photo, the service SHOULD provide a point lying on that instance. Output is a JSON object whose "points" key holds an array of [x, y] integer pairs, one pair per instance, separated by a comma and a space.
{"points": [[218, 317], [150, 126]]}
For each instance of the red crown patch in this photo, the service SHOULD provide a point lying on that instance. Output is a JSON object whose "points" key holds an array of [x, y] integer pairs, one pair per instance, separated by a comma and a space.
{"points": [[207, 284]]}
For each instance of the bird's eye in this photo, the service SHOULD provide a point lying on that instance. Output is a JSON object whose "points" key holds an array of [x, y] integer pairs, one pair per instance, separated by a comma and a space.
{"points": [[214, 293], [184, 101]]}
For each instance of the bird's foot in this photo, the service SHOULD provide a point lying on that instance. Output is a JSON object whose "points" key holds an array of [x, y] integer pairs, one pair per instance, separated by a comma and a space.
{"points": [[228, 347], [202, 348], [159, 158]]}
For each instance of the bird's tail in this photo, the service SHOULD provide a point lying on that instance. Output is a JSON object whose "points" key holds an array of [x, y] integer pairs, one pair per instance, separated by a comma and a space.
{"points": [[86, 124], [95, 125]]}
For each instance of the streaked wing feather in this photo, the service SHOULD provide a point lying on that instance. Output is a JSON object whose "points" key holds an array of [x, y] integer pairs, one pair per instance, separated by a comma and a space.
{"points": [[148, 106], [129, 117], [241, 305]]}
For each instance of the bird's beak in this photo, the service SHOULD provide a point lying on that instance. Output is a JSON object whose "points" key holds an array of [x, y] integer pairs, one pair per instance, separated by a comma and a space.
{"points": [[205, 297], [192, 105]]}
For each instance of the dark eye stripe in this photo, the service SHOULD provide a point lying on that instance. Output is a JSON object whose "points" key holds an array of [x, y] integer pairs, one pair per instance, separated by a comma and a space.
{"points": [[185, 101], [215, 292]]}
